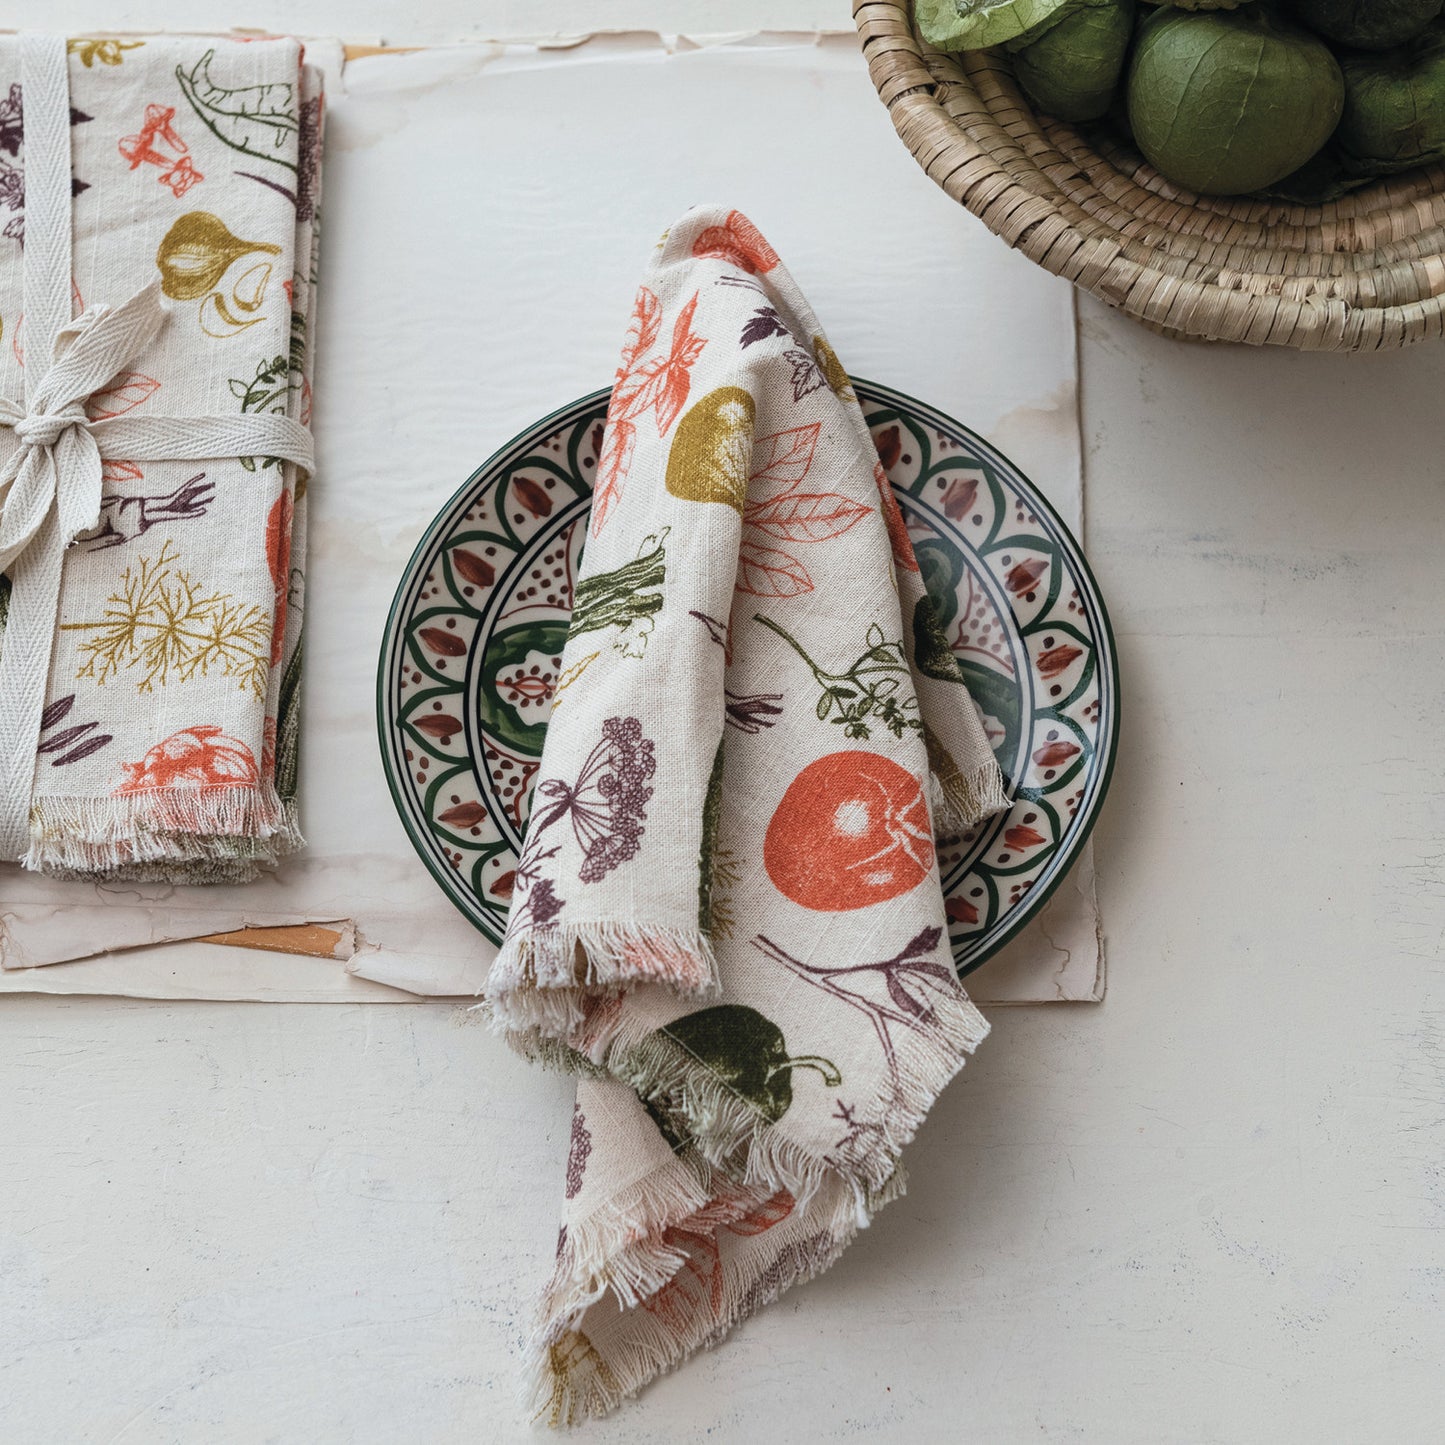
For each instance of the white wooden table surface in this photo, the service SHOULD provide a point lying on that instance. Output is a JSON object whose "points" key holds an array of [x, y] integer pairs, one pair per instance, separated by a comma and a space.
{"points": [[1212, 1209]]}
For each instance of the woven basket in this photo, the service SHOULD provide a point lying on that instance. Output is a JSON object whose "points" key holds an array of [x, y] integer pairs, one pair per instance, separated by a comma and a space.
{"points": [[1360, 274]]}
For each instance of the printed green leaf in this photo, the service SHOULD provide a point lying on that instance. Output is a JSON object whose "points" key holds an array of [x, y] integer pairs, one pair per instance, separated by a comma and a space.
{"points": [[257, 120]]}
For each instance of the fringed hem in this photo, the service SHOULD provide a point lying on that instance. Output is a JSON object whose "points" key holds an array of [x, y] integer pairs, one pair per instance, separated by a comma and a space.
{"points": [[959, 801], [544, 977], [568, 1380], [729, 1131], [621, 1247], [197, 835]]}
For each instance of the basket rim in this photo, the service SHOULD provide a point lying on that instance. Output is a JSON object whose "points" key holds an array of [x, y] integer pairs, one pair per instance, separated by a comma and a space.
{"points": [[1364, 272]]}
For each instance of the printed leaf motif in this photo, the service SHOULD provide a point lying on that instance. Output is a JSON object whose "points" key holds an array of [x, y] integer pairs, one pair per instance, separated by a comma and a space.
{"points": [[889, 443], [73, 743], [533, 497], [441, 642], [960, 910], [806, 516], [257, 120], [642, 330], [476, 570], [959, 496], [1024, 576], [1056, 754], [660, 385], [1058, 659], [782, 460], [439, 725], [766, 572], [125, 393], [762, 324], [112, 470], [806, 378], [463, 815]]}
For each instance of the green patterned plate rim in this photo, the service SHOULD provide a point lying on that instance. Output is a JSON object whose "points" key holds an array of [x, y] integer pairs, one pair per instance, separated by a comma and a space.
{"points": [[475, 634]]}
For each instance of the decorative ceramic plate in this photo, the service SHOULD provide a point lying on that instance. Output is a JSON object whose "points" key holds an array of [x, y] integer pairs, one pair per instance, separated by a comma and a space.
{"points": [[475, 638]]}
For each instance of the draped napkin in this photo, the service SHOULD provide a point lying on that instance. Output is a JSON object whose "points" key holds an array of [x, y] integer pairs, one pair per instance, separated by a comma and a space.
{"points": [[727, 914], [157, 263]]}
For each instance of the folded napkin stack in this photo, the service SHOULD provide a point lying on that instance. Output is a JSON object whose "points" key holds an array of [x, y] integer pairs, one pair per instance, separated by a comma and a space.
{"points": [[157, 266], [727, 915]]}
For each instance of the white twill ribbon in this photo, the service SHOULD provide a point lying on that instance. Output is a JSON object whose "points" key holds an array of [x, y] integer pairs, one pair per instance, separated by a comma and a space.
{"points": [[50, 490]]}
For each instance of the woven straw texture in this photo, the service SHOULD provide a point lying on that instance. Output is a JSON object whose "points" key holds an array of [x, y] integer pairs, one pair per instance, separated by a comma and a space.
{"points": [[1363, 273]]}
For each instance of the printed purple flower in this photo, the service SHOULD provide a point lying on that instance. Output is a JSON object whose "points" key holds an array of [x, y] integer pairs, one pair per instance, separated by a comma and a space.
{"points": [[608, 803], [578, 1150]]}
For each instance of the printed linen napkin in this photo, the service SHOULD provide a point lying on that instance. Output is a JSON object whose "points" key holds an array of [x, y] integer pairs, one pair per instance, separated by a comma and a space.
{"points": [[727, 913], [157, 265]]}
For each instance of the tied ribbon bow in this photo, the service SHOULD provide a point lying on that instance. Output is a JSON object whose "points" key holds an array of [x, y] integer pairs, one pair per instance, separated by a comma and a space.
{"points": [[58, 461]]}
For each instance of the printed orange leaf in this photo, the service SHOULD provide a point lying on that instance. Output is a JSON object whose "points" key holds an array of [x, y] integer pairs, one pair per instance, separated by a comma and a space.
{"points": [[124, 394], [642, 329], [1057, 659], [112, 470], [1053, 755], [618, 444], [773, 1210], [476, 570], [806, 516], [766, 572], [1021, 836], [444, 644], [675, 380], [1024, 576], [438, 725], [464, 815], [783, 459]]}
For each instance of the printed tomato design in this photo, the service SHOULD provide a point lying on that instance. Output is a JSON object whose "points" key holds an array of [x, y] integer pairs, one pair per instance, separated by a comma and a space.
{"points": [[852, 829]]}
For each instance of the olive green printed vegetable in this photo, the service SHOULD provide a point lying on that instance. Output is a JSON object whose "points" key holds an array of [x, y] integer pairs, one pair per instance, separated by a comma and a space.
{"points": [[288, 725], [748, 1054], [711, 810], [1395, 105], [1231, 101], [257, 120], [1366, 24], [979, 24], [867, 690], [627, 598], [930, 647], [1072, 70]]}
